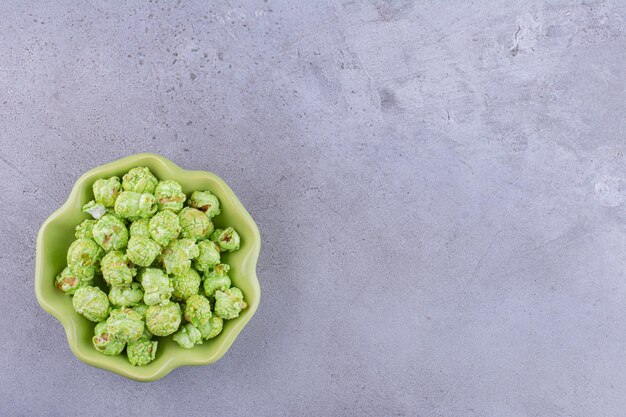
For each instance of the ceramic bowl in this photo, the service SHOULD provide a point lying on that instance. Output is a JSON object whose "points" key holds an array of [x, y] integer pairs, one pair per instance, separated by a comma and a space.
{"points": [[57, 233]]}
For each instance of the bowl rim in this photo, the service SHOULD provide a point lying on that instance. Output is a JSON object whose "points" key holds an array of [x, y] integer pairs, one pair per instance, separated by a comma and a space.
{"points": [[174, 361]]}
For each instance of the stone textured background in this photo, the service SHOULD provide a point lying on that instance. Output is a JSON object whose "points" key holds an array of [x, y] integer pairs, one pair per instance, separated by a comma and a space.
{"points": [[440, 186]]}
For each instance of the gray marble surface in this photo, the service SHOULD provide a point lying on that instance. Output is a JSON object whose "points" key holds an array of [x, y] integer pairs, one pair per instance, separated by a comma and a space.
{"points": [[440, 186]]}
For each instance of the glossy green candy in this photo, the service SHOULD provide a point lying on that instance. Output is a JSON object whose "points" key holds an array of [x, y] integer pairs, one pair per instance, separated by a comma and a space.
{"points": [[211, 328], [85, 229], [186, 284], [177, 256], [84, 252], [216, 280], [156, 285], [92, 303], [170, 196], [117, 269], [110, 233], [228, 239], [106, 191], [131, 205], [206, 202], [195, 224], [96, 210], [104, 342], [142, 251], [229, 303], [139, 180], [125, 324], [141, 352], [164, 227], [163, 320], [126, 296], [188, 336], [197, 310], [140, 227], [208, 255], [69, 280]]}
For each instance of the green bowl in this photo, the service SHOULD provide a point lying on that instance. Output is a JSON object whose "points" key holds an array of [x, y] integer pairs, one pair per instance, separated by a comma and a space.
{"points": [[57, 233]]}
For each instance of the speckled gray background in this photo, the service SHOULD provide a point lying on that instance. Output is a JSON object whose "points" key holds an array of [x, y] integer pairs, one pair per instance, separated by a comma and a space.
{"points": [[440, 186]]}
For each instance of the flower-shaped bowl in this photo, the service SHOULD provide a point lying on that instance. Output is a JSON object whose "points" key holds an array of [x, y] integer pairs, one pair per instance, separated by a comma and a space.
{"points": [[57, 233]]}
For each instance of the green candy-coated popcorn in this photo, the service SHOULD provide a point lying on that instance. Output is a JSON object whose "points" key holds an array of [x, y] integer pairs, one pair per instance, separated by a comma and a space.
{"points": [[216, 280], [229, 303], [92, 303], [126, 296], [142, 251], [141, 309], [146, 333], [116, 268], [163, 320], [69, 280], [85, 272], [170, 196], [213, 237], [197, 310], [188, 247], [227, 239], [141, 352], [96, 210], [133, 206], [206, 202], [125, 324], [139, 180], [194, 223], [84, 252], [164, 227], [140, 227], [177, 256], [147, 219], [208, 255], [106, 191], [110, 233], [186, 284], [105, 343], [211, 328], [188, 336], [156, 285], [85, 229]]}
